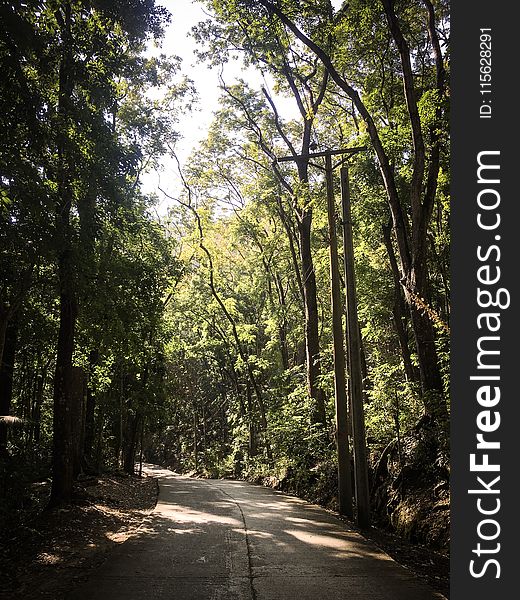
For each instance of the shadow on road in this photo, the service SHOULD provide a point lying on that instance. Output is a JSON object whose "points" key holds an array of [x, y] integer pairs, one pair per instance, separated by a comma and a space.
{"points": [[233, 540]]}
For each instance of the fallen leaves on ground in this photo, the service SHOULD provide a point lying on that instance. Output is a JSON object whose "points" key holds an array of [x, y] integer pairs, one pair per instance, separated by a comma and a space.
{"points": [[46, 556]]}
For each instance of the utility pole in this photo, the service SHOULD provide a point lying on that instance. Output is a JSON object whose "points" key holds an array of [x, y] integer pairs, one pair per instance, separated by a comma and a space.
{"points": [[340, 383], [141, 450], [340, 387], [354, 361]]}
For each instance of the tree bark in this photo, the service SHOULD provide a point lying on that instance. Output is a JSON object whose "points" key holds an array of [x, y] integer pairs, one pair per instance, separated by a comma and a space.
{"points": [[6, 380], [130, 444], [62, 459], [90, 410], [4, 322], [37, 408], [78, 393], [283, 326], [312, 346], [252, 445]]}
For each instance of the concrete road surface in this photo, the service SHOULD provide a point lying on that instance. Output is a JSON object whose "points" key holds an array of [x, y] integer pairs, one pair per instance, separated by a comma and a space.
{"points": [[229, 540]]}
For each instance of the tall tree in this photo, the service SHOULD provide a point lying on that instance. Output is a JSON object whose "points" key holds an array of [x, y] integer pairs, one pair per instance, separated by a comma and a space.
{"points": [[418, 196], [78, 83], [272, 50]]}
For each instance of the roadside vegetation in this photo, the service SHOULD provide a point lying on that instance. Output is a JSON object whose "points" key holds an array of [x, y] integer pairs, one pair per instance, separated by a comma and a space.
{"points": [[202, 339]]}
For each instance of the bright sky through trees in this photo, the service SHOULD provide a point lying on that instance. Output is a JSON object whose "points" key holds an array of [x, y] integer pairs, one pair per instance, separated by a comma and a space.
{"points": [[193, 128]]}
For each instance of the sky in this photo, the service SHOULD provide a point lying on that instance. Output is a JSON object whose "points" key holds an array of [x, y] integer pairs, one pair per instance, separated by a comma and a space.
{"points": [[193, 126]]}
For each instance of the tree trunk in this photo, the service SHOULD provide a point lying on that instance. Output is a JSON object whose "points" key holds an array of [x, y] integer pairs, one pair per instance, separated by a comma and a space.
{"points": [[6, 380], [4, 322], [37, 408], [141, 443], [62, 459], [130, 446], [312, 345], [90, 409], [100, 425], [195, 441], [77, 418], [282, 325], [252, 445], [364, 367]]}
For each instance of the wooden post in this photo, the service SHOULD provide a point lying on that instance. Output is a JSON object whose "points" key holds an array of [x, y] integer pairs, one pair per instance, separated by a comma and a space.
{"points": [[342, 431], [340, 393], [141, 449], [354, 353]]}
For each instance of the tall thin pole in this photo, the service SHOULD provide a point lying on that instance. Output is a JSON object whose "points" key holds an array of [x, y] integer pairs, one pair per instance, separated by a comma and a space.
{"points": [[354, 353], [141, 451], [340, 395], [342, 431]]}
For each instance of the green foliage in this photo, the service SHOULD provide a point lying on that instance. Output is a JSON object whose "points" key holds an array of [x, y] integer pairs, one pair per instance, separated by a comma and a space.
{"points": [[84, 128], [191, 331], [246, 222]]}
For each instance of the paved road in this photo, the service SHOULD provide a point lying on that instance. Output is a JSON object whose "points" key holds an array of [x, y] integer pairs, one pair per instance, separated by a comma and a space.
{"points": [[229, 540]]}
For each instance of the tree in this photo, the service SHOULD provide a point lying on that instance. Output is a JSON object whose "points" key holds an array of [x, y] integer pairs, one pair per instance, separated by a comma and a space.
{"points": [[68, 71], [269, 48], [423, 162]]}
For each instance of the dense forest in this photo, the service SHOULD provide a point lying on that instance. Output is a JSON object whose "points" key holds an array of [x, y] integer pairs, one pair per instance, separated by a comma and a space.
{"points": [[206, 338]]}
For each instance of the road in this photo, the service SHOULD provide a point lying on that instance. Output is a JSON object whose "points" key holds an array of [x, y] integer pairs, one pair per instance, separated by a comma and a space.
{"points": [[230, 540]]}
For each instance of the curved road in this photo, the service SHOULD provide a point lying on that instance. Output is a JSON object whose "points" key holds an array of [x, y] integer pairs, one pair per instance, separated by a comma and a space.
{"points": [[229, 540]]}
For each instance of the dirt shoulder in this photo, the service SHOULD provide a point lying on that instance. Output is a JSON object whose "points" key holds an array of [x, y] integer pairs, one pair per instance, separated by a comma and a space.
{"points": [[430, 566], [46, 555]]}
